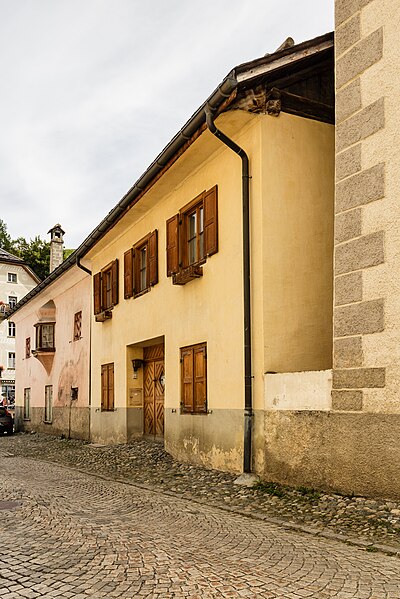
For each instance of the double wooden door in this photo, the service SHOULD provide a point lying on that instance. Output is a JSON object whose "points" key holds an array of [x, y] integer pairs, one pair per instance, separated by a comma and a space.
{"points": [[154, 390]]}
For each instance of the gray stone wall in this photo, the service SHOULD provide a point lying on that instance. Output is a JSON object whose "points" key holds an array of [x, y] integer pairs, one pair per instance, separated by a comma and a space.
{"points": [[356, 314]]}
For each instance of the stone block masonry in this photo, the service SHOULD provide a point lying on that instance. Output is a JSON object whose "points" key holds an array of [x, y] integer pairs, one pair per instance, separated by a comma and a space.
{"points": [[358, 313]]}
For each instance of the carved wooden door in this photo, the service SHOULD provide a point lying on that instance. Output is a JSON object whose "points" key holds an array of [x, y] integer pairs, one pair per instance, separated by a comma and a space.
{"points": [[154, 395]]}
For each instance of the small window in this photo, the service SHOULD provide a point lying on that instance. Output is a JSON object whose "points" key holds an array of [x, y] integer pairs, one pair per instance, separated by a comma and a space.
{"points": [[28, 347], [74, 393], [12, 301], [45, 336], [107, 387], [77, 326], [27, 403], [194, 379], [141, 266], [11, 329], [12, 277], [11, 360], [105, 288], [48, 403]]}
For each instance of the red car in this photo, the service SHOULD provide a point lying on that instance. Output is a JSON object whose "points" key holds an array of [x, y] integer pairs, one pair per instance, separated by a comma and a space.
{"points": [[6, 421]]}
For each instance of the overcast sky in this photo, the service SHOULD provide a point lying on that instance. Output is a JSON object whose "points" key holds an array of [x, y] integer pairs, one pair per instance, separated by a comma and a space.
{"points": [[94, 89]]}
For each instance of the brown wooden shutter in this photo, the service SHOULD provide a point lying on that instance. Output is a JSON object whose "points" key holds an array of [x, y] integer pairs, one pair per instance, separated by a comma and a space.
{"points": [[172, 245], [153, 258], [114, 282], [200, 379], [211, 222], [187, 391], [110, 387], [104, 386], [136, 272], [128, 273], [97, 293]]}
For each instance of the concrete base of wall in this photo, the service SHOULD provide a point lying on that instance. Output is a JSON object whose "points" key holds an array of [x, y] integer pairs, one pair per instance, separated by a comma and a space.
{"points": [[72, 423], [347, 452], [213, 440]]}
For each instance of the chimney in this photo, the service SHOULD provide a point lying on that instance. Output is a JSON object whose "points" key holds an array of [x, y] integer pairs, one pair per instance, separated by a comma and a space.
{"points": [[56, 247]]}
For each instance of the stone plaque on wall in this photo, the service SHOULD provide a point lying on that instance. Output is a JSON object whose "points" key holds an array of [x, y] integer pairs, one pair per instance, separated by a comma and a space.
{"points": [[135, 398]]}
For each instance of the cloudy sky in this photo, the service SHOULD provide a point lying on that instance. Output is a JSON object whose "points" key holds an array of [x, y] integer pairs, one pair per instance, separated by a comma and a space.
{"points": [[94, 89]]}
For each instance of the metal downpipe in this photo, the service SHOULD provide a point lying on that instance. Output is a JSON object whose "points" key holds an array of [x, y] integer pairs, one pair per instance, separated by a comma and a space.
{"points": [[248, 378]]}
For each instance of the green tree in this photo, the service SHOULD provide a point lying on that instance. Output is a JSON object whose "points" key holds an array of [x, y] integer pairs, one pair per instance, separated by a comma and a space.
{"points": [[36, 253], [5, 238]]}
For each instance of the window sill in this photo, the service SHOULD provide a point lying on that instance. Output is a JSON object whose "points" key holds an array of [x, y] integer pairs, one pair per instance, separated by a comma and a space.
{"points": [[47, 422], [189, 273], [140, 293], [26, 419], [103, 316], [43, 350]]}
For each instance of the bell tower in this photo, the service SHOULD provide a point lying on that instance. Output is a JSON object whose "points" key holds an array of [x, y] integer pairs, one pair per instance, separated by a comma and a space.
{"points": [[56, 246]]}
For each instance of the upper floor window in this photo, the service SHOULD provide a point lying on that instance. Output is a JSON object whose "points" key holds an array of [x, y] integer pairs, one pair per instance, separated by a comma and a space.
{"points": [[105, 288], [11, 360], [28, 347], [11, 329], [12, 301], [141, 266], [192, 236], [45, 336], [12, 277], [77, 326]]}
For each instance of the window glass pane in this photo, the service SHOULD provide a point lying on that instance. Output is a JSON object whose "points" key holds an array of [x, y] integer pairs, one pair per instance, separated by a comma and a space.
{"points": [[192, 249], [108, 289], [143, 268], [11, 329], [12, 277], [12, 300], [47, 335]]}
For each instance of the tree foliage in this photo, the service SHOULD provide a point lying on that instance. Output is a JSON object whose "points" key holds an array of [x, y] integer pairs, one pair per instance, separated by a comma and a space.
{"points": [[35, 252], [5, 238]]}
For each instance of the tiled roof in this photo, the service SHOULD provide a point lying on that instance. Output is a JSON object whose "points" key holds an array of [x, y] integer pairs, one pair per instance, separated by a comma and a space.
{"points": [[7, 257]]}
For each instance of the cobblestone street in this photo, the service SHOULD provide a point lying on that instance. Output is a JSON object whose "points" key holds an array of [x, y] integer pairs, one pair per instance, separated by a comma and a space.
{"points": [[74, 535], [81, 534]]}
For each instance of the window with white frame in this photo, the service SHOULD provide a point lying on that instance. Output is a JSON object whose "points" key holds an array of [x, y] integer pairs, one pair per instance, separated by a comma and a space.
{"points": [[12, 301], [11, 360], [48, 403], [27, 403], [12, 277], [11, 329]]}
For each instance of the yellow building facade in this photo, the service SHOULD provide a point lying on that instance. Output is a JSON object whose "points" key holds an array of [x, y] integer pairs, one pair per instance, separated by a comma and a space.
{"points": [[167, 358]]}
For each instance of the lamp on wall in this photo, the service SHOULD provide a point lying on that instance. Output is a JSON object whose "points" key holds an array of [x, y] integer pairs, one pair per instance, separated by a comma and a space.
{"points": [[136, 364]]}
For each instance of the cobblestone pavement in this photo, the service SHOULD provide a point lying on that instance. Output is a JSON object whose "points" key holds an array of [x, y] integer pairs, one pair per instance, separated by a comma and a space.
{"points": [[75, 535], [354, 519]]}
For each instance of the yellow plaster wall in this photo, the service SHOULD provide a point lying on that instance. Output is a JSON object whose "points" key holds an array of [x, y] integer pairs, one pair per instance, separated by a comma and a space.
{"points": [[211, 308], [297, 233]]}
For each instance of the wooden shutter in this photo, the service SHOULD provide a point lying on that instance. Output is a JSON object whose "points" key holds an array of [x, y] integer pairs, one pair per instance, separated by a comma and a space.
{"points": [[152, 250], [187, 391], [211, 222], [114, 282], [172, 245], [200, 379], [110, 387], [97, 293], [128, 273], [104, 386]]}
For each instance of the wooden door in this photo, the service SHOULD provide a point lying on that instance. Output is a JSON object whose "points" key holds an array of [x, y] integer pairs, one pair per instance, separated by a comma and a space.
{"points": [[154, 390]]}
